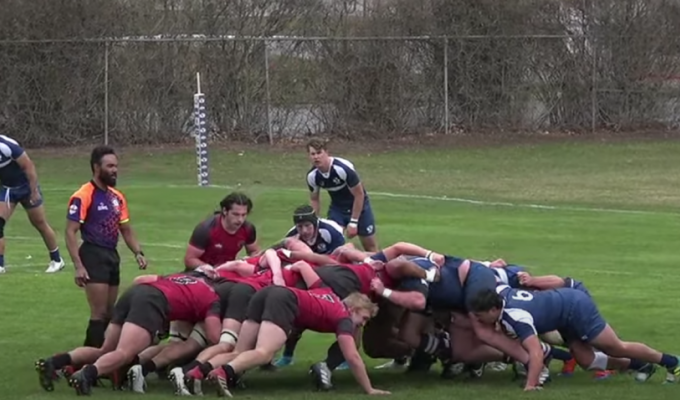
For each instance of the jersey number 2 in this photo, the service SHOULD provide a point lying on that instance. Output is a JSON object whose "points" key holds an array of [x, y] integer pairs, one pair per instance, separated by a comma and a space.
{"points": [[523, 295]]}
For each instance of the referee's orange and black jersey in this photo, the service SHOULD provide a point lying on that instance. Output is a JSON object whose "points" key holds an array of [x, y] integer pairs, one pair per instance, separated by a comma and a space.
{"points": [[100, 213]]}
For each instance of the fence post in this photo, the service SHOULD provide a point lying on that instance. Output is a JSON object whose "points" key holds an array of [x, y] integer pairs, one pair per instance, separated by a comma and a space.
{"points": [[446, 85], [593, 67], [270, 132], [106, 92]]}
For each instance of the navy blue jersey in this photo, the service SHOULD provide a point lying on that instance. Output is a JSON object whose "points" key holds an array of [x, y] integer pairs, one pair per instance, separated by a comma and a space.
{"points": [[528, 313], [328, 237], [11, 174], [337, 181]]}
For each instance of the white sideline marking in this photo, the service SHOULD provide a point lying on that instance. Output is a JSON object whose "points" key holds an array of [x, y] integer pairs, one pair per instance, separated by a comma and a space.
{"points": [[43, 265], [166, 245], [418, 196]]}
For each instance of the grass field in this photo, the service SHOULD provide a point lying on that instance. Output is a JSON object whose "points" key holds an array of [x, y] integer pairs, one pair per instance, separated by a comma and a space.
{"points": [[613, 222]]}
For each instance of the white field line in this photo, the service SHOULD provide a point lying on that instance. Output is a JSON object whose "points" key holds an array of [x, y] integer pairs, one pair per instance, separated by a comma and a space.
{"points": [[421, 197], [166, 245]]}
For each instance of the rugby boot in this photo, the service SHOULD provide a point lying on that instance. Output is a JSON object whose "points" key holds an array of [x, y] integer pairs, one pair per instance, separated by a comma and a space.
{"points": [[176, 376], [284, 361], [223, 382], [47, 374], [645, 372], [475, 370], [451, 369], [569, 367], [600, 375], [321, 376], [136, 381], [193, 380], [672, 374], [342, 367], [397, 363], [420, 362], [80, 384]]}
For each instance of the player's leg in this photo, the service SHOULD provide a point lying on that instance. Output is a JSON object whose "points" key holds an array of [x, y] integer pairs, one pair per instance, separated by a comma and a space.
{"points": [[381, 337], [37, 217], [95, 259], [366, 230], [146, 317], [6, 210], [278, 312]]}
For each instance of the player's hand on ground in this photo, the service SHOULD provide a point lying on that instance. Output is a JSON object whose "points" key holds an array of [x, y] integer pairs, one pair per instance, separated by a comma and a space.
{"points": [[378, 392], [141, 261], [377, 285], [81, 276], [530, 388]]}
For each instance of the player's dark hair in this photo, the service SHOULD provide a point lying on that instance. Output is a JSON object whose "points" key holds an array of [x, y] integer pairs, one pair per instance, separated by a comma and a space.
{"points": [[98, 154], [316, 144], [486, 300], [236, 198]]}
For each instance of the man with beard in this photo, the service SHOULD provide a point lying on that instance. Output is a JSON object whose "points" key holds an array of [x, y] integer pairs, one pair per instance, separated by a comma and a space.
{"points": [[322, 236], [100, 212]]}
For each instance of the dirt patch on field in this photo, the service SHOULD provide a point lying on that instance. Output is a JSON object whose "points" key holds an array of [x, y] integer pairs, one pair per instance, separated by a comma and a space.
{"points": [[433, 141]]}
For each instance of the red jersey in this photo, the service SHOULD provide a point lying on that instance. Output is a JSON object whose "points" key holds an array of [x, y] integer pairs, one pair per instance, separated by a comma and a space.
{"points": [[220, 246], [189, 298], [231, 276], [321, 310], [265, 277], [365, 273]]}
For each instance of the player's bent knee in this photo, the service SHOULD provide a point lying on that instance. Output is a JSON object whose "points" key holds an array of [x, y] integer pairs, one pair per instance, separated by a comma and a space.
{"points": [[228, 337]]}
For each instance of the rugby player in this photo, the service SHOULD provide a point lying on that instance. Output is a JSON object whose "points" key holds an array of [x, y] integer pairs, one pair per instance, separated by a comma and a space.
{"points": [[99, 211], [350, 206], [221, 237], [322, 236], [19, 180], [141, 314], [275, 311], [573, 313]]}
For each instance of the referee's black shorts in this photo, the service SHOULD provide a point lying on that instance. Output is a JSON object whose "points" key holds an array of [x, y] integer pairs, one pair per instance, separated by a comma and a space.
{"points": [[101, 263]]}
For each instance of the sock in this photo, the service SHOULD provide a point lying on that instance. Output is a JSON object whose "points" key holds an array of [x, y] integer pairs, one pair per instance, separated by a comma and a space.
{"points": [[668, 361], [2, 260], [231, 375], [191, 365], [90, 373], [334, 357], [205, 368], [429, 343], [148, 367], [636, 364], [54, 255], [291, 344], [560, 354], [94, 336], [61, 360]]}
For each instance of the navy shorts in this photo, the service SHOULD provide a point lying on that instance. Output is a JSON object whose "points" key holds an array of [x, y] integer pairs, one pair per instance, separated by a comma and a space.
{"points": [[20, 194], [341, 216], [479, 278], [584, 320]]}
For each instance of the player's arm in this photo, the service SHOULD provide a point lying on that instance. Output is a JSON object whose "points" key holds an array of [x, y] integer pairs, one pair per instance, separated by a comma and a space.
{"points": [[213, 323], [357, 190], [26, 165], [126, 230], [401, 267], [523, 325], [407, 249], [348, 347], [412, 294], [313, 258], [198, 242], [308, 274], [273, 262], [77, 213], [252, 247], [545, 282], [314, 193]]}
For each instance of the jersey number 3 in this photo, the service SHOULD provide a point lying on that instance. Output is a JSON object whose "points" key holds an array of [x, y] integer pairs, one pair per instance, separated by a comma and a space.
{"points": [[522, 295]]}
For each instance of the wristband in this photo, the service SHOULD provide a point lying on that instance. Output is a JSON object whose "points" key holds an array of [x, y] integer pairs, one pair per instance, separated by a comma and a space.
{"points": [[387, 293], [353, 223], [428, 255]]}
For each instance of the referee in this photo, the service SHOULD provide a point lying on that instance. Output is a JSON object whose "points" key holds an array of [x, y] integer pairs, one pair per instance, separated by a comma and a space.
{"points": [[99, 212]]}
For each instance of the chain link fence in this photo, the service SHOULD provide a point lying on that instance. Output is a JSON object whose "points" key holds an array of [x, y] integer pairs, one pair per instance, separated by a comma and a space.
{"points": [[611, 67]]}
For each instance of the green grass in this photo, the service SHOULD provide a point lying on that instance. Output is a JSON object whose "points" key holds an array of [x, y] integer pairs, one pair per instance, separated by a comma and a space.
{"points": [[629, 260]]}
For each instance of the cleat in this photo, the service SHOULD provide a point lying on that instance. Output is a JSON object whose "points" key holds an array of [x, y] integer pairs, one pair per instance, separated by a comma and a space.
{"points": [[497, 366], [55, 266], [672, 374], [46, 373], [601, 375], [193, 380], [322, 376], [394, 364], [420, 362], [135, 379], [643, 374], [568, 367], [475, 370], [451, 369], [219, 376], [176, 376], [342, 367], [80, 384], [284, 361]]}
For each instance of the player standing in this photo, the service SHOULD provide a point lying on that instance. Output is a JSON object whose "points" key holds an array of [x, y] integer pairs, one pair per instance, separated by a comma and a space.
{"points": [[221, 237], [100, 212], [350, 206], [20, 185]]}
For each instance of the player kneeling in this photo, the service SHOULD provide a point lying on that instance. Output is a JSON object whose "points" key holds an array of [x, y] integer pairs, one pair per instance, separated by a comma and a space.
{"points": [[275, 311]]}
